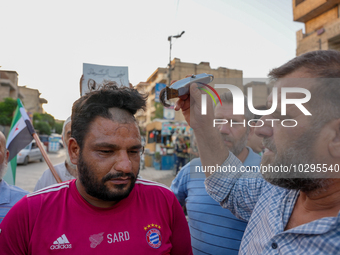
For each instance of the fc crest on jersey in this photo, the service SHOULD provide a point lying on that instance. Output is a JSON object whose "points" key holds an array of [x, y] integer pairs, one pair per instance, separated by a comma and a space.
{"points": [[154, 238]]}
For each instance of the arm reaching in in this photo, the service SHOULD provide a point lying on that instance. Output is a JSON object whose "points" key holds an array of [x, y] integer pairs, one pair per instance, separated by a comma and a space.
{"points": [[236, 190], [210, 145]]}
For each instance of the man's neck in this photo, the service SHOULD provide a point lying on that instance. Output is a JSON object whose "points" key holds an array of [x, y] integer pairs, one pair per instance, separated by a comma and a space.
{"points": [[324, 199], [315, 205], [71, 170], [243, 155]]}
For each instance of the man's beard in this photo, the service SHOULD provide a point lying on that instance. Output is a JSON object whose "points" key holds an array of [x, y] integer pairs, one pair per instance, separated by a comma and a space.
{"points": [[3, 169], [97, 188], [237, 146], [298, 154]]}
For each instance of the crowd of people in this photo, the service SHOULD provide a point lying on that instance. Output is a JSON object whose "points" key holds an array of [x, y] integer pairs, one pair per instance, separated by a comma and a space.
{"points": [[103, 207]]}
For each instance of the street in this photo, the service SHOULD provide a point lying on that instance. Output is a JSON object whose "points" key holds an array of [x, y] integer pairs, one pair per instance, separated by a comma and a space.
{"points": [[27, 176]]}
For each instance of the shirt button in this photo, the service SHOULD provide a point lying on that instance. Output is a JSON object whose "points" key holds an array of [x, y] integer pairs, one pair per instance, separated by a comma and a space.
{"points": [[274, 245]]}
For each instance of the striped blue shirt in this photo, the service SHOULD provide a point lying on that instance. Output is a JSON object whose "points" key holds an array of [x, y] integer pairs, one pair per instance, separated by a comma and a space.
{"points": [[267, 209], [9, 195], [213, 229]]}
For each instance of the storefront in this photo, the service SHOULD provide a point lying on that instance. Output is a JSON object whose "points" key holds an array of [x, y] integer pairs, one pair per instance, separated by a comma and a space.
{"points": [[160, 141]]}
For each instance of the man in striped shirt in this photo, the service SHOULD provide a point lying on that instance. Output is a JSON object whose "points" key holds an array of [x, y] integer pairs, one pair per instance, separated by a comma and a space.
{"points": [[295, 208], [215, 230]]}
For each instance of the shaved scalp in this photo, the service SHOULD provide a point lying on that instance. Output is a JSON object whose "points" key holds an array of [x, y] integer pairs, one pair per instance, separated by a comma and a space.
{"points": [[120, 115], [118, 104]]}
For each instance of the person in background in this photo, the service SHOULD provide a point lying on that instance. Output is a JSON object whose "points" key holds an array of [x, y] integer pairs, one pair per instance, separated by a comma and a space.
{"points": [[66, 170], [254, 141], [193, 150], [213, 229], [181, 150], [9, 194]]}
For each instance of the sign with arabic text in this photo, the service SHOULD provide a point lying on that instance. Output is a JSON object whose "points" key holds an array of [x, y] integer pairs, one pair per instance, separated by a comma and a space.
{"points": [[96, 75]]}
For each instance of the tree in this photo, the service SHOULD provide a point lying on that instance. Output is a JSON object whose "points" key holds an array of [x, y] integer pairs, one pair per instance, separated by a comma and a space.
{"points": [[45, 117], [44, 123], [7, 107], [58, 126], [42, 127]]}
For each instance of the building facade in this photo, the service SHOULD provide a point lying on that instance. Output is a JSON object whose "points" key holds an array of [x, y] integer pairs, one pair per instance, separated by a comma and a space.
{"points": [[322, 25], [9, 85], [31, 99]]}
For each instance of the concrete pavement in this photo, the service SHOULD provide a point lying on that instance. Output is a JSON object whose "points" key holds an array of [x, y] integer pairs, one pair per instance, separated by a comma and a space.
{"points": [[162, 176]]}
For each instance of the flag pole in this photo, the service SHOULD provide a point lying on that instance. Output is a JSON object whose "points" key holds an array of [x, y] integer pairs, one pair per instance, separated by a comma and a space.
{"points": [[36, 138], [47, 160]]}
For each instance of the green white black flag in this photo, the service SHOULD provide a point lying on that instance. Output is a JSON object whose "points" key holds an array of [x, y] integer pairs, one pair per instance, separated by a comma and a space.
{"points": [[18, 138]]}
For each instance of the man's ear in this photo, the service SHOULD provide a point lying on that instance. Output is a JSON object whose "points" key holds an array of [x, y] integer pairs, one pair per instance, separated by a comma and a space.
{"points": [[334, 144], [73, 150], [6, 155]]}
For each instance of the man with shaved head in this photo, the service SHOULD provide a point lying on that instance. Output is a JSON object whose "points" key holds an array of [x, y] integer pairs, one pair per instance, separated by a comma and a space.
{"points": [[66, 170], [9, 194], [107, 209]]}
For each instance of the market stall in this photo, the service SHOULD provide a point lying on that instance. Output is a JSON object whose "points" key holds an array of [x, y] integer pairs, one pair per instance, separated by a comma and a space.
{"points": [[161, 138]]}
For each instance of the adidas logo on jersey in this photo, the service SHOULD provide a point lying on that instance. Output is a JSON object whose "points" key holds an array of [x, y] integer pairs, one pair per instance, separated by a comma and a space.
{"points": [[61, 243]]}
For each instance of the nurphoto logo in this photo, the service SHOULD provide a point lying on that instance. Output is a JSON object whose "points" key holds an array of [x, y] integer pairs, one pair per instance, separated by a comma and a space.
{"points": [[238, 104]]}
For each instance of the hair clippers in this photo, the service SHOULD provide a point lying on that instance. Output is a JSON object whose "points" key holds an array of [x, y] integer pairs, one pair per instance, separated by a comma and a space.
{"points": [[182, 87]]}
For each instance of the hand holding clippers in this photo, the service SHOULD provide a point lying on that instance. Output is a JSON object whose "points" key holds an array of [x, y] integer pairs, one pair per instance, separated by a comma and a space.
{"points": [[182, 87]]}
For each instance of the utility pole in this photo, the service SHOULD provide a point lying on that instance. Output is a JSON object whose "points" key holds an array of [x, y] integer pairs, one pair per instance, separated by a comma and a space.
{"points": [[170, 40]]}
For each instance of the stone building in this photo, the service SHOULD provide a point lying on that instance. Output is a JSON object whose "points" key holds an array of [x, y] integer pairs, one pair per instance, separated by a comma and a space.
{"points": [[9, 85], [178, 71], [32, 100], [29, 97], [322, 25]]}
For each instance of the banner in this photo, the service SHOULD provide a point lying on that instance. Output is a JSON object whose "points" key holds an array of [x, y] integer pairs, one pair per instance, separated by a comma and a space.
{"points": [[158, 88], [169, 113]]}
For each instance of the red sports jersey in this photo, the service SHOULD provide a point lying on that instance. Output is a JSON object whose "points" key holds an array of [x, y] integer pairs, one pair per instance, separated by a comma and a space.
{"points": [[57, 220]]}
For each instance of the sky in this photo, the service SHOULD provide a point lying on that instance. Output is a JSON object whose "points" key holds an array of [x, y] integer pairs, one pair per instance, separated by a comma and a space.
{"points": [[47, 42]]}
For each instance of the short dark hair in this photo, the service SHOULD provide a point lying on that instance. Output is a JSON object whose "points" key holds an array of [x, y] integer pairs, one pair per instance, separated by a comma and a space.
{"points": [[97, 103], [321, 63], [324, 66]]}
